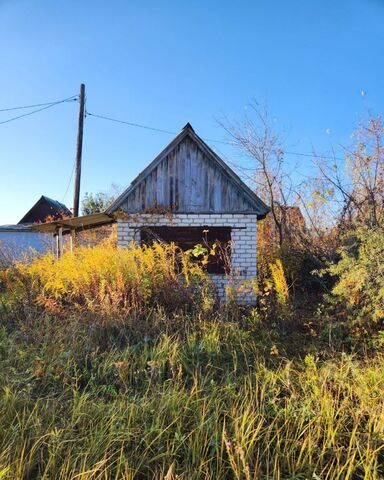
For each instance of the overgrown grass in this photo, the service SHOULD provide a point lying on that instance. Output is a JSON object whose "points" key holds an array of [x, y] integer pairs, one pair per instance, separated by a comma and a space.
{"points": [[135, 387], [213, 401]]}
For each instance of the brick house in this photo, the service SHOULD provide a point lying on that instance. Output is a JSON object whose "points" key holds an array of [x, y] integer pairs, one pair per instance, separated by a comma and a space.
{"points": [[190, 196]]}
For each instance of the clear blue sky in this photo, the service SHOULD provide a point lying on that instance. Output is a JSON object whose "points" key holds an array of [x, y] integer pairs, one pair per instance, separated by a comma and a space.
{"points": [[163, 63]]}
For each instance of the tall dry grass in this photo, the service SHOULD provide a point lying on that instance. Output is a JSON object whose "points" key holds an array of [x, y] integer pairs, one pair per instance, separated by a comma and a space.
{"points": [[207, 404], [176, 389]]}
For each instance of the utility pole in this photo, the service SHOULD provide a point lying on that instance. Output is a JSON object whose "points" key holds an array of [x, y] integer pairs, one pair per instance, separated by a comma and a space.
{"points": [[79, 150]]}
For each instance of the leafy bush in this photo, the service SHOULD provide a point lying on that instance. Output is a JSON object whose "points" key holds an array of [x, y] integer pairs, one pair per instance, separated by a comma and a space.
{"points": [[360, 275]]}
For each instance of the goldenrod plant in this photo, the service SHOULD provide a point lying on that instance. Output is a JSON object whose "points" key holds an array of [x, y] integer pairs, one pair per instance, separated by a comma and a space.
{"points": [[109, 280], [279, 282]]}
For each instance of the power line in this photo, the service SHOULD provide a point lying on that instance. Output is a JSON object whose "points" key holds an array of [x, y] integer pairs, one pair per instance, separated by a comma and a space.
{"points": [[32, 106], [69, 181], [25, 106], [47, 105], [43, 106], [147, 127], [130, 123]]}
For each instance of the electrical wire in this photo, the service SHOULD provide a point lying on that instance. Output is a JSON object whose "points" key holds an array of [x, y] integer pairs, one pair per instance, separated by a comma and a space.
{"points": [[147, 127], [33, 106], [129, 123], [69, 182], [49, 105], [45, 106]]}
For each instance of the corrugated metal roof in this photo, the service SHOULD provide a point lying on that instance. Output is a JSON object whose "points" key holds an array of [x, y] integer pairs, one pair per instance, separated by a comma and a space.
{"points": [[75, 223], [14, 228]]}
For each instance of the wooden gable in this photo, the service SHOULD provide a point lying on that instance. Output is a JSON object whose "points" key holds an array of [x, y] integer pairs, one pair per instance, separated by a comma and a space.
{"points": [[188, 177]]}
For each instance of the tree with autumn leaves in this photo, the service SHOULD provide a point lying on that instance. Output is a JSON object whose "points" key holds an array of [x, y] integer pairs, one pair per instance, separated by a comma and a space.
{"points": [[331, 222]]}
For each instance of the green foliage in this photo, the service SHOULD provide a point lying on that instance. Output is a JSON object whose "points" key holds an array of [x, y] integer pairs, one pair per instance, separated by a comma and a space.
{"points": [[360, 275], [198, 251], [95, 202]]}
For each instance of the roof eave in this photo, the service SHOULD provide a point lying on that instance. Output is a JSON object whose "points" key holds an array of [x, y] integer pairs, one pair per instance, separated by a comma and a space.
{"points": [[84, 222]]}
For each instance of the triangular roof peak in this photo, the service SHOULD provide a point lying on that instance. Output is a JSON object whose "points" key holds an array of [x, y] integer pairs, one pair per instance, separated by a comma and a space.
{"points": [[188, 126], [43, 208], [189, 177]]}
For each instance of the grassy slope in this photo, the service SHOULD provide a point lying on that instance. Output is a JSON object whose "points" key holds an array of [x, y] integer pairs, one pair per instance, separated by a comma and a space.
{"points": [[211, 400]]}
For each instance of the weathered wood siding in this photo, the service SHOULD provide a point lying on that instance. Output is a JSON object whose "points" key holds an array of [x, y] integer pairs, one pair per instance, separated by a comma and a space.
{"points": [[187, 181]]}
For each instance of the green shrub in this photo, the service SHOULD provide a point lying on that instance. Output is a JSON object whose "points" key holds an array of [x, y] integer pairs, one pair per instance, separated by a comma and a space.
{"points": [[359, 275]]}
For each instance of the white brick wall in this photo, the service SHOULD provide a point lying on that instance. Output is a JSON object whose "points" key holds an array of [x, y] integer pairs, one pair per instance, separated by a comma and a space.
{"points": [[243, 236]]}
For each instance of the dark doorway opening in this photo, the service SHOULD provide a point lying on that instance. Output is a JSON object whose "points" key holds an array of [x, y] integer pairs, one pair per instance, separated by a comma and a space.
{"points": [[188, 237]]}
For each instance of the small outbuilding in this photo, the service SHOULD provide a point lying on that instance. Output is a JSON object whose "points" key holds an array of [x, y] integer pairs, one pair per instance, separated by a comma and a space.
{"points": [[21, 241], [189, 195], [45, 209]]}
